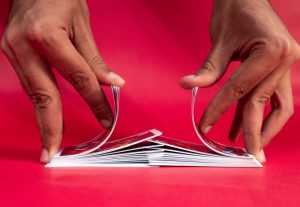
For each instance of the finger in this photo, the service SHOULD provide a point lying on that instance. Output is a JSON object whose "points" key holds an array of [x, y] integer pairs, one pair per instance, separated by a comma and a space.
{"points": [[60, 52], [210, 72], [86, 46], [282, 110], [254, 111], [7, 51], [40, 85], [237, 124], [252, 122], [251, 72]]}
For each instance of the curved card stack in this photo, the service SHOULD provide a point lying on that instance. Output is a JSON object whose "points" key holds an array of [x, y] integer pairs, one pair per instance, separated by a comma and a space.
{"points": [[151, 148]]}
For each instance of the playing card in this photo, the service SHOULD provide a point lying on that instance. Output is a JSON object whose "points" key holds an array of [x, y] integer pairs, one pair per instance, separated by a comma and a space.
{"points": [[213, 145], [127, 142], [98, 141], [182, 145], [105, 152], [150, 148]]}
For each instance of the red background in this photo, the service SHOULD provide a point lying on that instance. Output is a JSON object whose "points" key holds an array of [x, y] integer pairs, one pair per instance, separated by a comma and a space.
{"points": [[151, 43]]}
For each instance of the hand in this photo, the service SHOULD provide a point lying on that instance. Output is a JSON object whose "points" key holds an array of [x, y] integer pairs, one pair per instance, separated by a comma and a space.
{"points": [[251, 32], [42, 34]]}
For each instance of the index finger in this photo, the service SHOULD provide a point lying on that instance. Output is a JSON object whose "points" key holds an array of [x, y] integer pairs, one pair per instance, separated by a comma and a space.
{"points": [[60, 52], [251, 72], [40, 85]]}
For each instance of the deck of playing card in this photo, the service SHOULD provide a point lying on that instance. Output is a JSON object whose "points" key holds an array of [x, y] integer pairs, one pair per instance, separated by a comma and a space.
{"points": [[151, 148]]}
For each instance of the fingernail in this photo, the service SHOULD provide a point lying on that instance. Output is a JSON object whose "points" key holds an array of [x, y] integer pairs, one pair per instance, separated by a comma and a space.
{"points": [[105, 123], [206, 129], [44, 156], [190, 76], [261, 156], [116, 79]]}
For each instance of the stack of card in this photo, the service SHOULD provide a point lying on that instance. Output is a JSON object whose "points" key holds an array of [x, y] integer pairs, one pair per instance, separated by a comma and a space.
{"points": [[150, 148]]}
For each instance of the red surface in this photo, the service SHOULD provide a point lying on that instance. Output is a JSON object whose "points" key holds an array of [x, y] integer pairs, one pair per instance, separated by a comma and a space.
{"points": [[151, 43]]}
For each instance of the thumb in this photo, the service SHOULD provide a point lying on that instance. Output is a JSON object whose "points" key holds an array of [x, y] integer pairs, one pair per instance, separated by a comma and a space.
{"points": [[209, 73]]}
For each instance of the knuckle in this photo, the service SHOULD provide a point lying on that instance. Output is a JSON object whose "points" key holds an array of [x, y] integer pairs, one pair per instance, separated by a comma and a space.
{"points": [[29, 16], [239, 89], [47, 132], [79, 80], [40, 32], [36, 28], [11, 38], [260, 99], [41, 99], [278, 47], [37, 32], [97, 60], [288, 110], [209, 66]]}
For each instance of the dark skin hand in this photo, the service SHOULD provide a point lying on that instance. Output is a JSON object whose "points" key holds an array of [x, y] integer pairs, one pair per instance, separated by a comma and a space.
{"points": [[251, 32], [42, 34], [55, 33]]}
